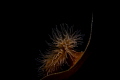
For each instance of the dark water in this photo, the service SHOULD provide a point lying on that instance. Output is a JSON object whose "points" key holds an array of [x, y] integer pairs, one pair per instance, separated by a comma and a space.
{"points": [[28, 27], [36, 24]]}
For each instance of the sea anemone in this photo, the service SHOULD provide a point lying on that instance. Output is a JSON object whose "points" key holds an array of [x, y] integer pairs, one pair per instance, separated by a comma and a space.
{"points": [[61, 49]]}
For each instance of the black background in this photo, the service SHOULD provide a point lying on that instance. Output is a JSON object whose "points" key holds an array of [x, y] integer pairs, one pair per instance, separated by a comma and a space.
{"points": [[32, 24]]}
